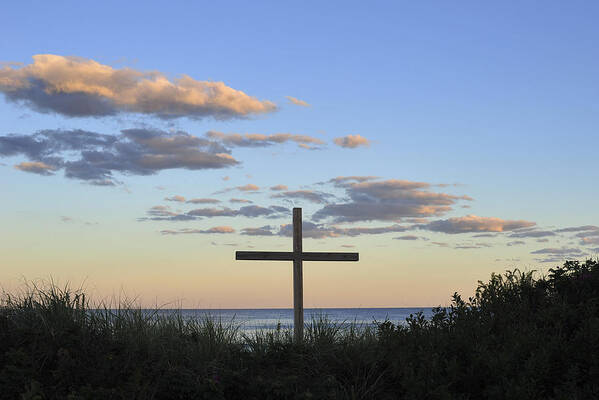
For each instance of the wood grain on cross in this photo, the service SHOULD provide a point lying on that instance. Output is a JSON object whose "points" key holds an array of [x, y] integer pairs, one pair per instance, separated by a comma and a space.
{"points": [[297, 256]]}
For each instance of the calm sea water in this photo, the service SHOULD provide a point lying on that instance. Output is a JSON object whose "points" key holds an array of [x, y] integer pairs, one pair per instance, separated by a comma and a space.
{"points": [[258, 319]]}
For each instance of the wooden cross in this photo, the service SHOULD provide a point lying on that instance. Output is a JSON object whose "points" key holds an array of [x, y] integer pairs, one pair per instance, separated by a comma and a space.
{"points": [[297, 256]]}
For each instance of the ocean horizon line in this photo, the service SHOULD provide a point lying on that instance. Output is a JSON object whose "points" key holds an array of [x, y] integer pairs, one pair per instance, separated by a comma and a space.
{"points": [[281, 308]]}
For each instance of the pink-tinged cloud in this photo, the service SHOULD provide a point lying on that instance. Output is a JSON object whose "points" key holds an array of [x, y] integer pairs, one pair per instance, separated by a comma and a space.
{"points": [[187, 231], [177, 198], [353, 212], [389, 200], [36, 167], [243, 201], [248, 188], [401, 189], [473, 223], [297, 102], [261, 140], [278, 187], [76, 87], [352, 141], [321, 231], [308, 147], [221, 229]]}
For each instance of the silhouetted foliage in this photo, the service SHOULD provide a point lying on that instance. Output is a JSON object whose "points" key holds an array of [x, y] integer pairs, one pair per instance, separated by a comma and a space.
{"points": [[517, 338]]}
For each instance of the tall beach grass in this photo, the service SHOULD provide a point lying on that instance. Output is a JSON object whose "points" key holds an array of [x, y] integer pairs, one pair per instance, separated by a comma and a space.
{"points": [[519, 336]]}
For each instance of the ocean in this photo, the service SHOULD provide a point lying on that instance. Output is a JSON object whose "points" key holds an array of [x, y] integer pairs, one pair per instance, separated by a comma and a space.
{"points": [[251, 320]]}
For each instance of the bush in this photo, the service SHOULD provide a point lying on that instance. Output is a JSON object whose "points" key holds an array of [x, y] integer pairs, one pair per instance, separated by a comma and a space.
{"points": [[517, 337]]}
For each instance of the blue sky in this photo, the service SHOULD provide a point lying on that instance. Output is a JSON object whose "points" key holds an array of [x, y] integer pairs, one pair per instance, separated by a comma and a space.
{"points": [[500, 99]]}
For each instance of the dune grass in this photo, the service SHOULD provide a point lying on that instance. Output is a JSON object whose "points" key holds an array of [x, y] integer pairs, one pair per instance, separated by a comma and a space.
{"points": [[517, 337]]}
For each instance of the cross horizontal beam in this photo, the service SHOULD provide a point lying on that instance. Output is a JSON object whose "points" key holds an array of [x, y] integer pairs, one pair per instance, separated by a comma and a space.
{"points": [[290, 256], [298, 256]]}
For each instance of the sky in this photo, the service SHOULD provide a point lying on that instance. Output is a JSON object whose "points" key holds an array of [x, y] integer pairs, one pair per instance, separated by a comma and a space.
{"points": [[142, 144]]}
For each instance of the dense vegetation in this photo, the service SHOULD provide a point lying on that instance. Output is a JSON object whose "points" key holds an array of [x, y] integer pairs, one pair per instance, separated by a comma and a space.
{"points": [[519, 337]]}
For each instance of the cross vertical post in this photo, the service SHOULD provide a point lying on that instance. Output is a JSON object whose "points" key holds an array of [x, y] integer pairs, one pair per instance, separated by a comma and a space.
{"points": [[298, 276], [298, 256]]}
